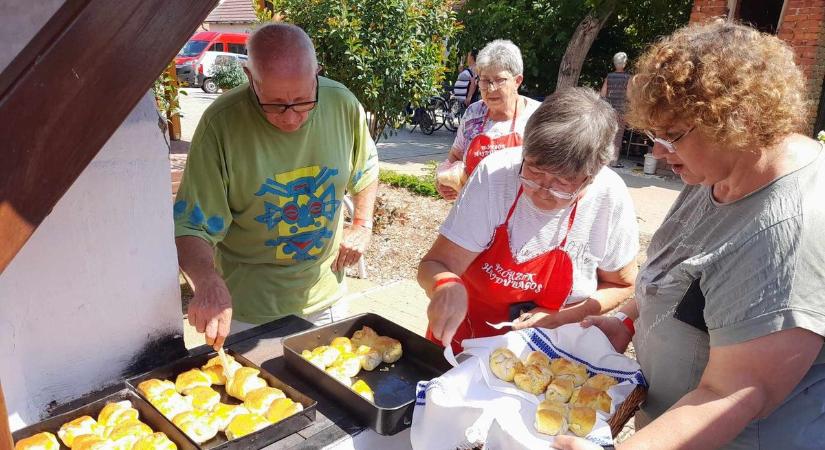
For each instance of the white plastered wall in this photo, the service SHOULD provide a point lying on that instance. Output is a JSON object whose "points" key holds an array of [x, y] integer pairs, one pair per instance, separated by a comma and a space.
{"points": [[98, 278]]}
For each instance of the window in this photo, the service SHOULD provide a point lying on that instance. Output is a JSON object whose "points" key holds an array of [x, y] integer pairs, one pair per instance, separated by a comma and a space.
{"points": [[237, 48], [216, 47], [193, 48]]}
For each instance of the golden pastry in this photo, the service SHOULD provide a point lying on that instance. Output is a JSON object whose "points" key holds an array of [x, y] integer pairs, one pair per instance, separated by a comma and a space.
{"points": [[342, 344], [581, 420], [364, 390], [327, 354], [152, 388], [390, 348], [505, 364], [203, 397], [338, 374], [364, 336], [127, 433], [534, 378], [222, 414], [170, 403], [196, 425], [559, 390], [370, 357], [559, 407], [258, 401], [155, 441], [315, 360], [537, 357], [92, 442], [564, 368], [601, 381], [349, 363], [282, 408], [244, 381], [591, 397], [39, 441], [549, 421], [77, 427], [115, 413], [214, 369], [244, 424], [191, 379]]}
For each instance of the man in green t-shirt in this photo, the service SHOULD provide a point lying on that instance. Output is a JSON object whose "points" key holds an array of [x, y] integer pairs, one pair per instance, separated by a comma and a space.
{"points": [[258, 214]]}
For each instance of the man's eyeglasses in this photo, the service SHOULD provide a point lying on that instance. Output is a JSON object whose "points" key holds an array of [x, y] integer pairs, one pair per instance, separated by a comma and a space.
{"points": [[280, 108], [554, 192], [670, 146], [487, 84]]}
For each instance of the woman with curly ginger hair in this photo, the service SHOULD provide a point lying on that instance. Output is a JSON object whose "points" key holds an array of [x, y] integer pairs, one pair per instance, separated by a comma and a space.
{"points": [[729, 311]]}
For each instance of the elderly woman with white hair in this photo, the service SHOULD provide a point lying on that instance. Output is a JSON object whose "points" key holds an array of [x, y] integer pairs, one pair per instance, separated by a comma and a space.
{"points": [[496, 121], [543, 235], [614, 90]]}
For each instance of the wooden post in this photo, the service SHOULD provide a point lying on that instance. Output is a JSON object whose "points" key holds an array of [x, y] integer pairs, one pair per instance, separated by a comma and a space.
{"points": [[172, 117], [5, 430]]}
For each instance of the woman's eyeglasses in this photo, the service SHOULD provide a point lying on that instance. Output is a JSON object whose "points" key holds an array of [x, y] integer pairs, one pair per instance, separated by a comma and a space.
{"points": [[530, 184], [486, 84], [670, 146], [280, 108]]}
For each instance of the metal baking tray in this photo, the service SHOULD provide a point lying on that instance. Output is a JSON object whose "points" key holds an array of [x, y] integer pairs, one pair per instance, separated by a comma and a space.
{"points": [[148, 415], [393, 384], [258, 439]]}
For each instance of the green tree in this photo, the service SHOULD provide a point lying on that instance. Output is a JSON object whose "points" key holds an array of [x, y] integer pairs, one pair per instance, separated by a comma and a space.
{"points": [[388, 53]]}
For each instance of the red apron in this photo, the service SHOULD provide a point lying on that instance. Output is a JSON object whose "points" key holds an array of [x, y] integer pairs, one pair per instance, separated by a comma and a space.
{"points": [[494, 281], [482, 145]]}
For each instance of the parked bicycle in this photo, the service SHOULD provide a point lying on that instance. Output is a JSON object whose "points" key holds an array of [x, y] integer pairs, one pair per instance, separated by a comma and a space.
{"points": [[446, 110]]}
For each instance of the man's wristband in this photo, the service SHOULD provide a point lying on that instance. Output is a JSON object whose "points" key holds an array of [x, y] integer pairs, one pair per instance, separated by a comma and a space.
{"points": [[627, 321], [365, 223], [448, 280]]}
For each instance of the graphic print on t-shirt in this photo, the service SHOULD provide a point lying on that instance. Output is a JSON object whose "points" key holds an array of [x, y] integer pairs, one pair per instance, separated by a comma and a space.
{"points": [[299, 209]]}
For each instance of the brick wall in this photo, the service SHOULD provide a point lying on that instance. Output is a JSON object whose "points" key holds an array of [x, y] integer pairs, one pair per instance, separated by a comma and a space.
{"points": [[803, 27]]}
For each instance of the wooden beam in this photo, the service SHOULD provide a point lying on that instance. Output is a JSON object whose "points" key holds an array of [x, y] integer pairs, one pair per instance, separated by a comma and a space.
{"points": [[69, 90]]}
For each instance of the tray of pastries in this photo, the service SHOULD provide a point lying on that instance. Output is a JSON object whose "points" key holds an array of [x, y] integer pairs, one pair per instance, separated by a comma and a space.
{"points": [[239, 408], [369, 364], [119, 421]]}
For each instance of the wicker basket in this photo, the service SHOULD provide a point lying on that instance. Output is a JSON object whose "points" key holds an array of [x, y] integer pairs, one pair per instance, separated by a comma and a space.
{"points": [[626, 410]]}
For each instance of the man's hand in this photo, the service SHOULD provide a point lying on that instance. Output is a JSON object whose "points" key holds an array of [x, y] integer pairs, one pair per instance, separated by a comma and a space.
{"points": [[355, 243], [446, 311], [536, 317], [613, 328], [210, 311], [447, 192]]}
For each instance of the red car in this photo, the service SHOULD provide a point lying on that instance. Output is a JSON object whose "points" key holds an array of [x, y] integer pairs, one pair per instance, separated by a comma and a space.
{"points": [[189, 57]]}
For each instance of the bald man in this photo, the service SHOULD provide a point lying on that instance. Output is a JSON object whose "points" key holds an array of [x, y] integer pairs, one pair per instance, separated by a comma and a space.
{"points": [[258, 221]]}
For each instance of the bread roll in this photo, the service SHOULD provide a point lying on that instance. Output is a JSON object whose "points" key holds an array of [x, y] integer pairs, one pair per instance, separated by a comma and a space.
{"points": [[349, 363], [550, 422], [601, 381], [243, 382], [533, 378], [127, 433], [338, 373], [197, 425], [342, 344], [78, 427], [364, 390], [539, 358], [93, 442], [244, 424], [364, 336], [153, 387], [222, 414], [390, 348], [39, 441], [155, 441], [115, 413], [282, 408], [314, 359], [505, 364], [451, 174], [204, 398], [327, 354], [559, 407], [559, 390], [215, 370], [591, 397], [258, 401], [170, 403], [581, 420], [191, 379], [370, 358], [575, 371]]}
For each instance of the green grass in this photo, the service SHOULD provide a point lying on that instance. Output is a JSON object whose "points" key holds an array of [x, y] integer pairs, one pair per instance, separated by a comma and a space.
{"points": [[421, 185]]}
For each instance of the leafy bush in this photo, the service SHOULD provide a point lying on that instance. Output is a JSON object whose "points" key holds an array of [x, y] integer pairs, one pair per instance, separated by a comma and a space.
{"points": [[228, 74], [422, 185]]}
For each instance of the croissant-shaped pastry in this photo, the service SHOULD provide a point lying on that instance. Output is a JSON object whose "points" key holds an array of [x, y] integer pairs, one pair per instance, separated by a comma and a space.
{"points": [[78, 427], [215, 370], [244, 381], [191, 379], [601, 381], [115, 413], [533, 379], [390, 348], [39, 441], [364, 390], [170, 403], [204, 397], [591, 397], [127, 433], [282, 408], [222, 414], [364, 336], [155, 441], [539, 358], [153, 387], [581, 420], [342, 344], [258, 401], [505, 364], [349, 363], [196, 425], [559, 390], [244, 424], [575, 371], [370, 358]]}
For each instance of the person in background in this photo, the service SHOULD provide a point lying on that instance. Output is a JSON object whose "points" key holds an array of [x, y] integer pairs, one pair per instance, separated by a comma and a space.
{"points": [[729, 312], [614, 89], [258, 218], [465, 88], [497, 121]]}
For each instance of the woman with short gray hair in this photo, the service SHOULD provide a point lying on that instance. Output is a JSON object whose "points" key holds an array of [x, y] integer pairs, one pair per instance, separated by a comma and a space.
{"points": [[542, 235], [496, 121]]}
